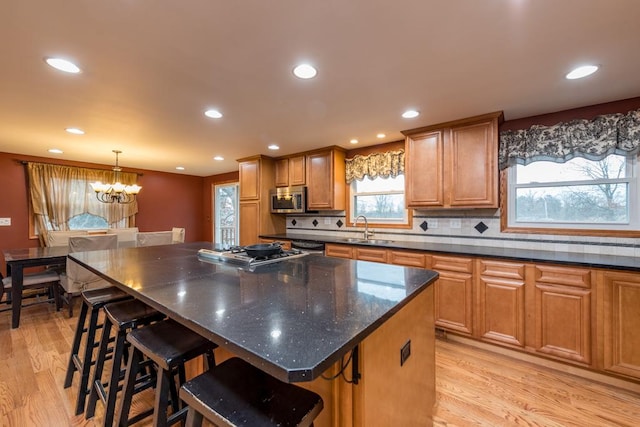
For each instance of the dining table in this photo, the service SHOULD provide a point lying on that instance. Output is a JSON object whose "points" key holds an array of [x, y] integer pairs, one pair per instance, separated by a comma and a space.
{"points": [[19, 259]]}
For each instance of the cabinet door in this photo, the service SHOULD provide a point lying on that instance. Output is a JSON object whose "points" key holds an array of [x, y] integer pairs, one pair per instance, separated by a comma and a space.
{"points": [[338, 251], [454, 293], [563, 313], [370, 254], [297, 170], [500, 302], [249, 222], [423, 169], [325, 181], [282, 173], [472, 166], [621, 323], [249, 176]]}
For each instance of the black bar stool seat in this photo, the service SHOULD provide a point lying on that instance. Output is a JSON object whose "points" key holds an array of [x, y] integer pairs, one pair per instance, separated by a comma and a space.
{"points": [[236, 393], [92, 302], [124, 316], [169, 346]]}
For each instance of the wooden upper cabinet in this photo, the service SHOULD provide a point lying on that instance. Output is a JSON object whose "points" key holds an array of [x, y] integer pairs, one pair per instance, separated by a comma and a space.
{"points": [[454, 164], [291, 171], [326, 182], [423, 169], [249, 177]]}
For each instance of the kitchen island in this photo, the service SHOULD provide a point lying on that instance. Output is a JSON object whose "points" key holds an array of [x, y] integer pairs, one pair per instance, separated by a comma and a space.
{"points": [[360, 334]]}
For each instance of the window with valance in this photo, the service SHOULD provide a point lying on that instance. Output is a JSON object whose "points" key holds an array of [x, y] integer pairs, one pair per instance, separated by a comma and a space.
{"points": [[580, 175], [377, 188], [59, 194]]}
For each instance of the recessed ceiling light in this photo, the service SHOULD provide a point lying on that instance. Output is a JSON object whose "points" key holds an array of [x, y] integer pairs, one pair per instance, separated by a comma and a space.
{"points": [[410, 114], [218, 158], [75, 131], [380, 135], [273, 147], [180, 168], [354, 141], [305, 71], [55, 150], [63, 65], [214, 114], [580, 72]]}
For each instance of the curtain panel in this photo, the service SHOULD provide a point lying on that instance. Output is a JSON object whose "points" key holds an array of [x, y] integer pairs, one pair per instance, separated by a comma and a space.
{"points": [[592, 139], [58, 193], [384, 165]]}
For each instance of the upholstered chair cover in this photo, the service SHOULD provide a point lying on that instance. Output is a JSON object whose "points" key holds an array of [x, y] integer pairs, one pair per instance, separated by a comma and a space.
{"points": [[177, 235], [79, 278], [154, 238], [61, 238], [124, 234]]}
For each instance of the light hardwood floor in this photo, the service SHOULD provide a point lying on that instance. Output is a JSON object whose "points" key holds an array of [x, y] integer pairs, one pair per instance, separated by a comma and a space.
{"points": [[474, 387]]}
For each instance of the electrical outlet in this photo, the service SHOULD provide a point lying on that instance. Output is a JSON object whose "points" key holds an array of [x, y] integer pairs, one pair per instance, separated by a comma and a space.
{"points": [[432, 223], [405, 352], [455, 223], [4, 222]]}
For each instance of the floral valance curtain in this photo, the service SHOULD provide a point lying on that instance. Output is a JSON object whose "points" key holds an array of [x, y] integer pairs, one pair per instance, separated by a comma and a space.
{"points": [[592, 139], [58, 193], [385, 165]]}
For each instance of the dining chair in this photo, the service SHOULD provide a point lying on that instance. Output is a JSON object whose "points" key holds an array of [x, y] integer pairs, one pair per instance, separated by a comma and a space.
{"points": [[61, 237], [177, 235], [124, 234], [34, 285], [78, 278], [154, 238]]}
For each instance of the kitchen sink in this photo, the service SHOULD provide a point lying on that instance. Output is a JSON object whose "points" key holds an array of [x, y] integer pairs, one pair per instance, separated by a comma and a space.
{"points": [[369, 241]]}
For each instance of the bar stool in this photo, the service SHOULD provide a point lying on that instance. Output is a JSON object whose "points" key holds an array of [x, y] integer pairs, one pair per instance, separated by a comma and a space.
{"points": [[169, 346], [125, 316], [236, 393], [92, 302]]}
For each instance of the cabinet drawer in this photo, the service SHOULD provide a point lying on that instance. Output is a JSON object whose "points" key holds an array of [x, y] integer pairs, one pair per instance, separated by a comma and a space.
{"points": [[338, 251], [566, 276], [463, 265], [506, 270], [408, 259], [369, 254]]}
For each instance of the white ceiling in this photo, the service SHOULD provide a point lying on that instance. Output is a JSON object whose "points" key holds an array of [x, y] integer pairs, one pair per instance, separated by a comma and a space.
{"points": [[151, 68]]}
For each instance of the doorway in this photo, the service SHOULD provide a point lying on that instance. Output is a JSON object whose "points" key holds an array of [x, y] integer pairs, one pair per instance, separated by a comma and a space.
{"points": [[225, 208]]}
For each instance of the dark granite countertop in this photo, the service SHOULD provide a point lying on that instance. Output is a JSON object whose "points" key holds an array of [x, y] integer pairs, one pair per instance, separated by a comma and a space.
{"points": [[293, 319], [589, 260]]}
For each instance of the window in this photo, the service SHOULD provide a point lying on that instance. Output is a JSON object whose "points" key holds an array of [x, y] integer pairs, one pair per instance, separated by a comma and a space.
{"points": [[381, 200], [577, 194], [226, 214]]}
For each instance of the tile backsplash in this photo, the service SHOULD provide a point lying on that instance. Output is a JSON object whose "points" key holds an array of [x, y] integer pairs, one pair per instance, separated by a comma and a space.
{"points": [[465, 228]]}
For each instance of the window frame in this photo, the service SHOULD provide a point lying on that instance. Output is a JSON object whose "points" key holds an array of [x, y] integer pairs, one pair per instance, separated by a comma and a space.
{"points": [[508, 200], [406, 223]]}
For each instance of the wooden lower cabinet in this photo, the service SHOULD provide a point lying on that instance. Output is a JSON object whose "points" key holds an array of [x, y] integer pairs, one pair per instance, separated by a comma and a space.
{"points": [[407, 258], [562, 321], [500, 315], [454, 293], [620, 312]]}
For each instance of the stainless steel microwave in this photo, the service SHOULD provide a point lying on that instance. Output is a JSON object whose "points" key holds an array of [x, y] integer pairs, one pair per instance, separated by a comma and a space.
{"points": [[288, 200]]}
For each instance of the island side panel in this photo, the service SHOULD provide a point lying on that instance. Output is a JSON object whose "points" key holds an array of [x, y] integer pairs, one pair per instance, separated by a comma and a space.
{"points": [[390, 394]]}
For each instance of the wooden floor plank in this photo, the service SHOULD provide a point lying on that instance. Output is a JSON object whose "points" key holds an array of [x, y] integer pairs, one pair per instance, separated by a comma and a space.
{"points": [[474, 387]]}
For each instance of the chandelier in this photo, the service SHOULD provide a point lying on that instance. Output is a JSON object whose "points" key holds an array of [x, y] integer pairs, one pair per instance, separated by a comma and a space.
{"points": [[117, 192]]}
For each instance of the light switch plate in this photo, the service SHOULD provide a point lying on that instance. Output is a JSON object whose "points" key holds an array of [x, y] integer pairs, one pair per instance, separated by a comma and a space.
{"points": [[4, 222]]}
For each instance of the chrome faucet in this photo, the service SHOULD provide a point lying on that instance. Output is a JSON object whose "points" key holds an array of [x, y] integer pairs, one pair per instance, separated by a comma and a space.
{"points": [[367, 233]]}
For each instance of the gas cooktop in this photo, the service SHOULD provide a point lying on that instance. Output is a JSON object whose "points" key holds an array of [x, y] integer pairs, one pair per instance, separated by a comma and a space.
{"points": [[237, 255]]}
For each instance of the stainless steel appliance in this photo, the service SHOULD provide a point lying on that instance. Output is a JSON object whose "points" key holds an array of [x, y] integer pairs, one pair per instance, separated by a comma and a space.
{"points": [[238, 255], [308, 246], [288, 200]]}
